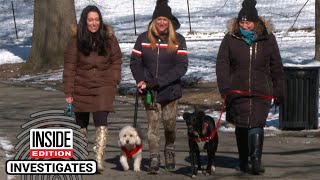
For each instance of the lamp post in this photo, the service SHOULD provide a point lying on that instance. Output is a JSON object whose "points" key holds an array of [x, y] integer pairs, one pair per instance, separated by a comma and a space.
{"points": [[134, 19], [189, 15]]}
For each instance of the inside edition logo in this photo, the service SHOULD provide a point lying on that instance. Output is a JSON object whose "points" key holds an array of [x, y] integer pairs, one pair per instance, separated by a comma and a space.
{"points": [[51, 143]]}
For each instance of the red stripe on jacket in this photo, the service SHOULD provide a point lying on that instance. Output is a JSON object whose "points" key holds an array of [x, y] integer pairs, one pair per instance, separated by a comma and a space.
{"points": [[136, 52], [184, 52]]}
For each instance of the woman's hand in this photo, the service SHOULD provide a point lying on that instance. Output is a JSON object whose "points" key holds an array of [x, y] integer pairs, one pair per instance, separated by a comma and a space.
{"points": [[69, 99], [141, 85]]}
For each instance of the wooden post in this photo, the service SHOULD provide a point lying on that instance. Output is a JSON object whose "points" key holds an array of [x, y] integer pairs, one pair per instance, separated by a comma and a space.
{"points": [[14, 20]]}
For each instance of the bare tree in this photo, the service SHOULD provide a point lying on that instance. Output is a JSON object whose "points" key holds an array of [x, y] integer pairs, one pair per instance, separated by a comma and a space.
{"points": [[52, 20], [317, 25]]}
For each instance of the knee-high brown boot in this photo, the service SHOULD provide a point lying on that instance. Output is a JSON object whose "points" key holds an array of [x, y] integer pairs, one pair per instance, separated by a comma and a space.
{"points": [[100, 146]]}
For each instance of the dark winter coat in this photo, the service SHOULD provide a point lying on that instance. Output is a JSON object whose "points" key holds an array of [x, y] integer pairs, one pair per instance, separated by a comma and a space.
{"points": [[160, 65], [92, 80], [256, 68]]}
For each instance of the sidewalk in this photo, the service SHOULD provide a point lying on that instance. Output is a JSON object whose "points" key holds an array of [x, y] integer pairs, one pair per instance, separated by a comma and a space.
{"points": [[286, 155]]}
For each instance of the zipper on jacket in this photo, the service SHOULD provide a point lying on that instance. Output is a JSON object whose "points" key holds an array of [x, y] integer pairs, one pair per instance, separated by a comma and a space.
{"points": [[157, 68], [250, 100], [255, 50]]}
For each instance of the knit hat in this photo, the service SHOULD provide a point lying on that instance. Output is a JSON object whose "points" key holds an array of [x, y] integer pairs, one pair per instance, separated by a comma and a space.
{"points": [[248, 11], [162, 9]]}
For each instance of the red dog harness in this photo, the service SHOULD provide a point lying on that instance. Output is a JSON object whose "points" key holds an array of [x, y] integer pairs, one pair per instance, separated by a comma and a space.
{"points": [[133, 151], [211, 136]]}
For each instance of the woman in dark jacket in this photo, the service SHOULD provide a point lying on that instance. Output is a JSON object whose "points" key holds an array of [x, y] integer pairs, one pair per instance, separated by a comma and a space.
{"points": [[249, 60], [158, 61], [92, 70]]}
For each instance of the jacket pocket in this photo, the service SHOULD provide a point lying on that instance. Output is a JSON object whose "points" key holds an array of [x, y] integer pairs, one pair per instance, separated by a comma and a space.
{"points": [[169, 93]]}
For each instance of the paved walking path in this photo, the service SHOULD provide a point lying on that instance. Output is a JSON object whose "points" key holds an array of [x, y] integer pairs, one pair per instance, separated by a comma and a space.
{"points": [[286, 155]]}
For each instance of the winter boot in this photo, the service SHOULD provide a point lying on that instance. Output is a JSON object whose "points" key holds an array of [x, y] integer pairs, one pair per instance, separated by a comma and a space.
{"points": [[243, 149], [256, 144], [154, 163], [169, 156], [100, 146]]}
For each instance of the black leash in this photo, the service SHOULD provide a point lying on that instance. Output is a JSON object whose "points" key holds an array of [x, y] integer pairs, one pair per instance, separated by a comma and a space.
{"points": [[135, 109]]}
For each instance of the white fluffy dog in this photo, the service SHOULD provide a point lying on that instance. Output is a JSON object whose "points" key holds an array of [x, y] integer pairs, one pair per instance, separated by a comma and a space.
{"points": [[131, 147]]}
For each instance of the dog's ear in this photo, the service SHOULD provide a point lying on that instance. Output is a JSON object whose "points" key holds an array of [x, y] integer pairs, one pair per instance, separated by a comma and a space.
{"points": [[186, 115], [210, 120], [196, 108], [138, 139]]}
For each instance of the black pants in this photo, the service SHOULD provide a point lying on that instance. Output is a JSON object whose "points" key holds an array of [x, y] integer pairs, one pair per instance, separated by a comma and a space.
{"points": [[99, 118], [249, 131]]}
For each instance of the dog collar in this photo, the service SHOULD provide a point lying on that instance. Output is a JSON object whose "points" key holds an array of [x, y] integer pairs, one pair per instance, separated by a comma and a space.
{"points": [[133, 151]]}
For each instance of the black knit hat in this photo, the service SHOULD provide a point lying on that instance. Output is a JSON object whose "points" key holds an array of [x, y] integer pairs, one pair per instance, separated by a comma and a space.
{"points": [[163, 9], [248, 11]]}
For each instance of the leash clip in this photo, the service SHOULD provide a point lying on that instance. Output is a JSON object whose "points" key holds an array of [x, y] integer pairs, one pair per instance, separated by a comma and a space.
{"points": [[69, 110]]}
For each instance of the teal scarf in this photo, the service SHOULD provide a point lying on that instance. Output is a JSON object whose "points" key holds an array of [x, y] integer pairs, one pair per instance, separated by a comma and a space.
{"points": [[248, 36]]}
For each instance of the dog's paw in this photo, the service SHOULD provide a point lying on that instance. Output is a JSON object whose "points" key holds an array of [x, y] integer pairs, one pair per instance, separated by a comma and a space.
{"points": [[193, 176], [125, 167], [213, 168], [136, 169], [209, 171], [124, 163]]}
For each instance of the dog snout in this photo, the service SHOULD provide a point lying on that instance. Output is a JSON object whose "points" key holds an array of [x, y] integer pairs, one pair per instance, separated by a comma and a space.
{"points": [[127, 141]]}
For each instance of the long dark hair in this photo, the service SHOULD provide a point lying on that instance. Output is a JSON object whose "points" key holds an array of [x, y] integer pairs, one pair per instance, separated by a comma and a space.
{"points": [[86, 39]]}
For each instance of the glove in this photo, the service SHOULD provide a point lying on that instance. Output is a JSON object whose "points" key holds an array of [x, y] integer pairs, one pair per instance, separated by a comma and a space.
{"points": [[153, 85], [279, 100], [141, 86]]}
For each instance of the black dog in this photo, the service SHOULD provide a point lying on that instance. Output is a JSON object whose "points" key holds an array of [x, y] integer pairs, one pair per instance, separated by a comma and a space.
{"points": [[202, 135]]}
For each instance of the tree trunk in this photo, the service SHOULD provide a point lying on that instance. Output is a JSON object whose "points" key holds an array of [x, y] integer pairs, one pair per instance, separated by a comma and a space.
{"points": [[51, 32], [317, 27]]}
